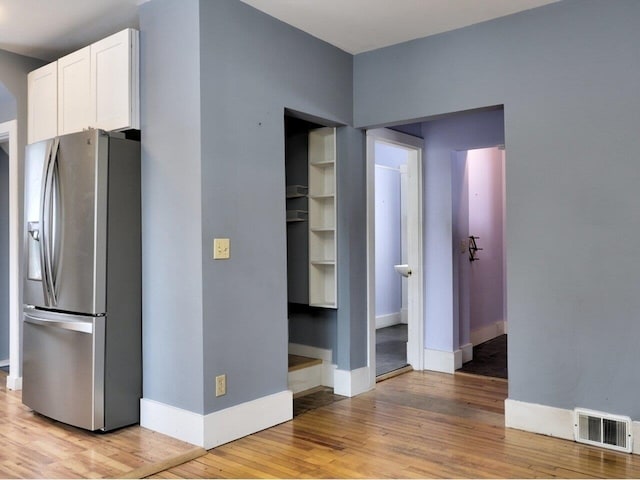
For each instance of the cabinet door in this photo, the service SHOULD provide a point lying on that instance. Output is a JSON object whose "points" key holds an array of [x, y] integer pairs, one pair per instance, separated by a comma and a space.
{"points": [[74, 93], [42, 85], [114, 81]]}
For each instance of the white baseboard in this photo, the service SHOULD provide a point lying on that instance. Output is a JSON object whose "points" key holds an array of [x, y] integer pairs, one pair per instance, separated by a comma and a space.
{"points": [[217, 428], [550, 421], [14, 383], [172, 421], [486, 333], [467, 352], [388, 320], [323, 354], [439, 361], [536, 418], [247, 418], [352, 382], [305, 378], [4, 363]]}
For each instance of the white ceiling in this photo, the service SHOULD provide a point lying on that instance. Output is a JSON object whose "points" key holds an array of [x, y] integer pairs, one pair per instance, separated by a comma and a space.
{"points": [[360, 25], [47, 29]]}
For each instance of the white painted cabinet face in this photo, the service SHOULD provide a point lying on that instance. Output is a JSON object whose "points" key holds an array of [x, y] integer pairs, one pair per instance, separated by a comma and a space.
{"points": [[74, 94], [323, 279], [114, 81], [96, 86], [42, 119]]}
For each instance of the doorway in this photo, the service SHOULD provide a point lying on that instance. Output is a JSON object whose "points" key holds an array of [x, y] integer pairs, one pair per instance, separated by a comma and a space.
{"points": [[9, 138], [394, 252], [479, 219], [4, 256]]}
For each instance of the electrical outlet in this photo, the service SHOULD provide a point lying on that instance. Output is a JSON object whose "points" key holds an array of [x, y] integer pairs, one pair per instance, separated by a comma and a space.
{"points": [[221, 248], [221, 385]]}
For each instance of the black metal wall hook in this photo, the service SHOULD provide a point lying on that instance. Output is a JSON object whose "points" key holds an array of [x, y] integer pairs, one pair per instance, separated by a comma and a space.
{"points": [[473, 248]]}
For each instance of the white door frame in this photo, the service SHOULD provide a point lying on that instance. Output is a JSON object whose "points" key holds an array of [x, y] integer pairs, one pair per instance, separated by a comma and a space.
{"points": [[9, 132], [415, 345]]}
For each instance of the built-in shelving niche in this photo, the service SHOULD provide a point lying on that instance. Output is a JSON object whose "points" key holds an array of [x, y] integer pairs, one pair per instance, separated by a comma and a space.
{"points": [[310, 165]]}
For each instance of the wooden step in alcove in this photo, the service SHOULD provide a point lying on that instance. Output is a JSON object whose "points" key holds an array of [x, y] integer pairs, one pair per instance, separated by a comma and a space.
{"points": [[305, 373]]}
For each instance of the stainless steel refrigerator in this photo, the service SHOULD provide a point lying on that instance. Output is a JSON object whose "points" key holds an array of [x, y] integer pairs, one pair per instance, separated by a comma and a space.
{"points": [[82, 280]]}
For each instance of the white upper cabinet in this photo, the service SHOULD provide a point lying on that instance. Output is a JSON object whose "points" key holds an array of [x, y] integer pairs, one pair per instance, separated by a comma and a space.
{"points": [[96, 86], [42, 103], [74, 92], [114, 81]]}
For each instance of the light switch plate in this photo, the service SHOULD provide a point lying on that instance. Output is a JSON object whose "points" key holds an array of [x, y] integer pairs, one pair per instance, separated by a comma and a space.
{"points": [[220, 248]]}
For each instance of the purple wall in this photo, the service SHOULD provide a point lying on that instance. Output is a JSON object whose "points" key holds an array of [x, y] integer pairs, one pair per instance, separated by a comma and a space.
{"points": [[485, 183], [388, 228]]}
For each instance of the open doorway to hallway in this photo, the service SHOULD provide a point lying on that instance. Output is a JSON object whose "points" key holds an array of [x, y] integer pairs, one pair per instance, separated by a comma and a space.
{"points": [[395, 251], [478, 189]]}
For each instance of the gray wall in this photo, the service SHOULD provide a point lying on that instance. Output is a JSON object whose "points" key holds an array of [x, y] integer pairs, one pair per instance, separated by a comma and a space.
{"points": [[7, 105], [352, 331], [252, 68], [4, 255], [568, 76], [171, 203]]}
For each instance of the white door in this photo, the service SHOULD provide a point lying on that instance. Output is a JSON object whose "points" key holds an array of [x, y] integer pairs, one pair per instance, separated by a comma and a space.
{"points": [[413, 268]]}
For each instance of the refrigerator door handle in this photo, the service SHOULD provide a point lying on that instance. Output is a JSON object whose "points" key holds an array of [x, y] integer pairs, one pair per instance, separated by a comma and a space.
{"points": [[43, 233], [55, 207], [48, 219], [84, 327]]}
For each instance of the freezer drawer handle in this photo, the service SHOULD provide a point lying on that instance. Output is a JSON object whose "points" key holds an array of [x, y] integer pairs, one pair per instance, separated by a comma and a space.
{"points": [[84, 327]]}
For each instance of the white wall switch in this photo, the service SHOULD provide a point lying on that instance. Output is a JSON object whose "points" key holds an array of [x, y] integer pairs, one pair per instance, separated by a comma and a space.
{"points": [[220, 248]]}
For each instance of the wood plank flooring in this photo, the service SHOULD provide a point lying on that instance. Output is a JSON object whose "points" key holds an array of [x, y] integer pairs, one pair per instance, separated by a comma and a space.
{"points": [[416, 425], [33, 446]]}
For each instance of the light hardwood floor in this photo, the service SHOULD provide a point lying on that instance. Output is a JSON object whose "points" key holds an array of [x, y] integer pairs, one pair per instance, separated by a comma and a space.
{"points": [[33, 446], [416, 425]]}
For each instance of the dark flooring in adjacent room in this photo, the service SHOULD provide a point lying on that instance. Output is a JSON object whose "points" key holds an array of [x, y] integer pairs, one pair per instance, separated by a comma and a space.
{"points": [[320, 397], [391, 348], [489, 359]]}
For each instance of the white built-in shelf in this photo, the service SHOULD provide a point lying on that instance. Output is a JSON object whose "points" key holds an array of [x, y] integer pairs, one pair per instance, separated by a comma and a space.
{"points": [[323, 279], [322, 163], [322, 229], [322, 196]]}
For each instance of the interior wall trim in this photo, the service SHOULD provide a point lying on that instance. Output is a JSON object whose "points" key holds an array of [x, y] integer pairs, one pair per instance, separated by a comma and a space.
{"points": [[217, 428], [546, 420], [389, 320], [352, 382], [439, 361], [488, 332], [324, 354], [467, 352]]}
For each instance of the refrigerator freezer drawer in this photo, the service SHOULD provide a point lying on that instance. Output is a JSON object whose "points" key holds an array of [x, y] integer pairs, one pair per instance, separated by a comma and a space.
{"points": [[64, 367]]}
